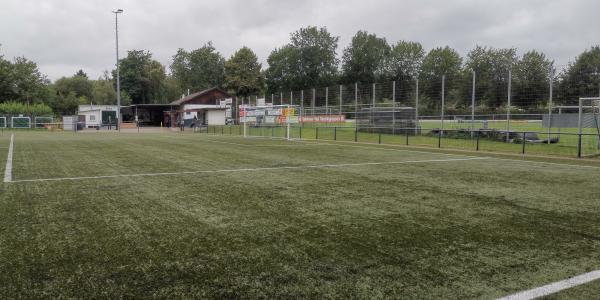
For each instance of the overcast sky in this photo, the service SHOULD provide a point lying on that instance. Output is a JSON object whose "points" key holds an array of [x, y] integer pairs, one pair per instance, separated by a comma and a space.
{"points": [[63, 36]]}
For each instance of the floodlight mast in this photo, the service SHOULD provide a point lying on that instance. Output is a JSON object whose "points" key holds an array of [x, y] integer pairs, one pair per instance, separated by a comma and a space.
{"points": [[117, 12]]}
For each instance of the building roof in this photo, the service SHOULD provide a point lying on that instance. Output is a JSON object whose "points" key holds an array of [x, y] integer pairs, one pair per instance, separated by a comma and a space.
{"points": [[196, 95]]}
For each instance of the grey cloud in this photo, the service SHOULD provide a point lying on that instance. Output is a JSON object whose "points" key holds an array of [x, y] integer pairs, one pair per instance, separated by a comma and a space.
{"points": [[64, 36]]}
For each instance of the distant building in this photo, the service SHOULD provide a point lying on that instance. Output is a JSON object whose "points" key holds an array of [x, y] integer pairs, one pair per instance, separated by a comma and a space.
{"points": [[202, 108], [92, 116], [207, 107]]}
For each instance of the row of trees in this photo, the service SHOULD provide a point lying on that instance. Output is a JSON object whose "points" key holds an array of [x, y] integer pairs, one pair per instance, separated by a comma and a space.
{"points": [[310, 60]]}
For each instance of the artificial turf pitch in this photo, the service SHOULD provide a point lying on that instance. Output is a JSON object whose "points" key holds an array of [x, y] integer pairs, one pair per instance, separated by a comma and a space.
{"points": [[201, 216]]}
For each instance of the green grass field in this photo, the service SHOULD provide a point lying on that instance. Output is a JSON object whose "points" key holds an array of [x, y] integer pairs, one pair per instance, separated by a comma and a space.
{"points": [[180, 215]]}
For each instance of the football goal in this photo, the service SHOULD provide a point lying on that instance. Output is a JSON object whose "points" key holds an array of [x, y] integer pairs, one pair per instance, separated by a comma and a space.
{"points": [[42, 122], [269, 121], [2, 122], [20, 122], [589, 125]]}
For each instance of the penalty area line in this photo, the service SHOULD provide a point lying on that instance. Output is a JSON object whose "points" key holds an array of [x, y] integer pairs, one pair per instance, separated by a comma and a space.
{"points": [[554, 287], [9, 158], [324, 166]]}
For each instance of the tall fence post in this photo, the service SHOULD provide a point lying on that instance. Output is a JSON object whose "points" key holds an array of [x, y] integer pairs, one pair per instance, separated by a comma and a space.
{"points": [[580, 131], [327, 104], [473, 106], [550, 105], [301, 109], [417, 107], [372, 121], [341, 99], [393, 107], [443, 102], [524, 139], [281, 98], [356, 105], [291, 98], [312, 104], [509, 104]]}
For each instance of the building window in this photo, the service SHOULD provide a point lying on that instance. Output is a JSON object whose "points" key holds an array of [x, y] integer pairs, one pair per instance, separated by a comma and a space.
{"points": [[92, 118]]}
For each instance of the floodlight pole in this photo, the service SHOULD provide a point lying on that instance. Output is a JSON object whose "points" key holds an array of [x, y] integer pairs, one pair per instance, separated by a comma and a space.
{"points": [[117, 12]]}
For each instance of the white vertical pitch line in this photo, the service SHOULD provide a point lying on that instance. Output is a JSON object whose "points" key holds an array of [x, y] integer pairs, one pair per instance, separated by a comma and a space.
{"points": [[8, 169], [555, 287]]}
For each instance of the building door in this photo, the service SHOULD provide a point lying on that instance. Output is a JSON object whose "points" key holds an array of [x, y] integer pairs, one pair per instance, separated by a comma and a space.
{"points": [[109, 117]]}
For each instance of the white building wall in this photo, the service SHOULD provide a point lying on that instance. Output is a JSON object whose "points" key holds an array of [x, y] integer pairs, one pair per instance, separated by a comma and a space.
{"points": [[215, 117]]}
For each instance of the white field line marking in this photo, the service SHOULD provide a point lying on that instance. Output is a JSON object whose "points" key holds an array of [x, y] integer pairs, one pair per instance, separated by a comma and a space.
{"points": [[253, 169], [554, 287], [275, 145], [378, 147], [9, 158], [373, 147]]}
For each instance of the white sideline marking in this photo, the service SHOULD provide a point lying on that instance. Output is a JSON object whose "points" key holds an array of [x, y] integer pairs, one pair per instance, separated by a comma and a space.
{"points": [[379, 147], [554, 287], [8, 168], [252, 169]]}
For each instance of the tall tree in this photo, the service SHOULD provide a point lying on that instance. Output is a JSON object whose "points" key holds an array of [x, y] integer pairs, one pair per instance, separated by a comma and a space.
{"points": [[103, 91], [198, 69], [27, 83], [283, 72], [404, 61], [316, 50], [491, 67], [532, 79], [581, 78], [243, 74], [80, 85], [364, 58], [141, 77], [439, 61]]}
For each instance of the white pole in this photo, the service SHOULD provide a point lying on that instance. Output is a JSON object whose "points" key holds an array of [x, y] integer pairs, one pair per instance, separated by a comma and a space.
{"points": [[393, 107], [326, 100], [417, 107], [473, 106], [302, 107], [245, 116], [117, 12], [272, 99], [372, 121], [443, 100], [508, 108], [281, 98], [292, 98], [550, 106], [356, 105], [341, 99], [312, 104]]}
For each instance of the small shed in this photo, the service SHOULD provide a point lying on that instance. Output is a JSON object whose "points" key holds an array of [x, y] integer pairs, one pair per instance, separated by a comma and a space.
{"points": [[93, 116]]}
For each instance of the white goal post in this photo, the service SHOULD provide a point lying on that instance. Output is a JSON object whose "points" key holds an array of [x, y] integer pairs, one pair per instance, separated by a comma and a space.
{"points": [[20, 122], [269, 116]]}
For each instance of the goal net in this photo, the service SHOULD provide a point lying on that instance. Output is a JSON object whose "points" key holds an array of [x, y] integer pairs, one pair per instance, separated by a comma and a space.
{"points": [[2, 122], [273, 121], [43, 122], [589, 126], [20, 122]]}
